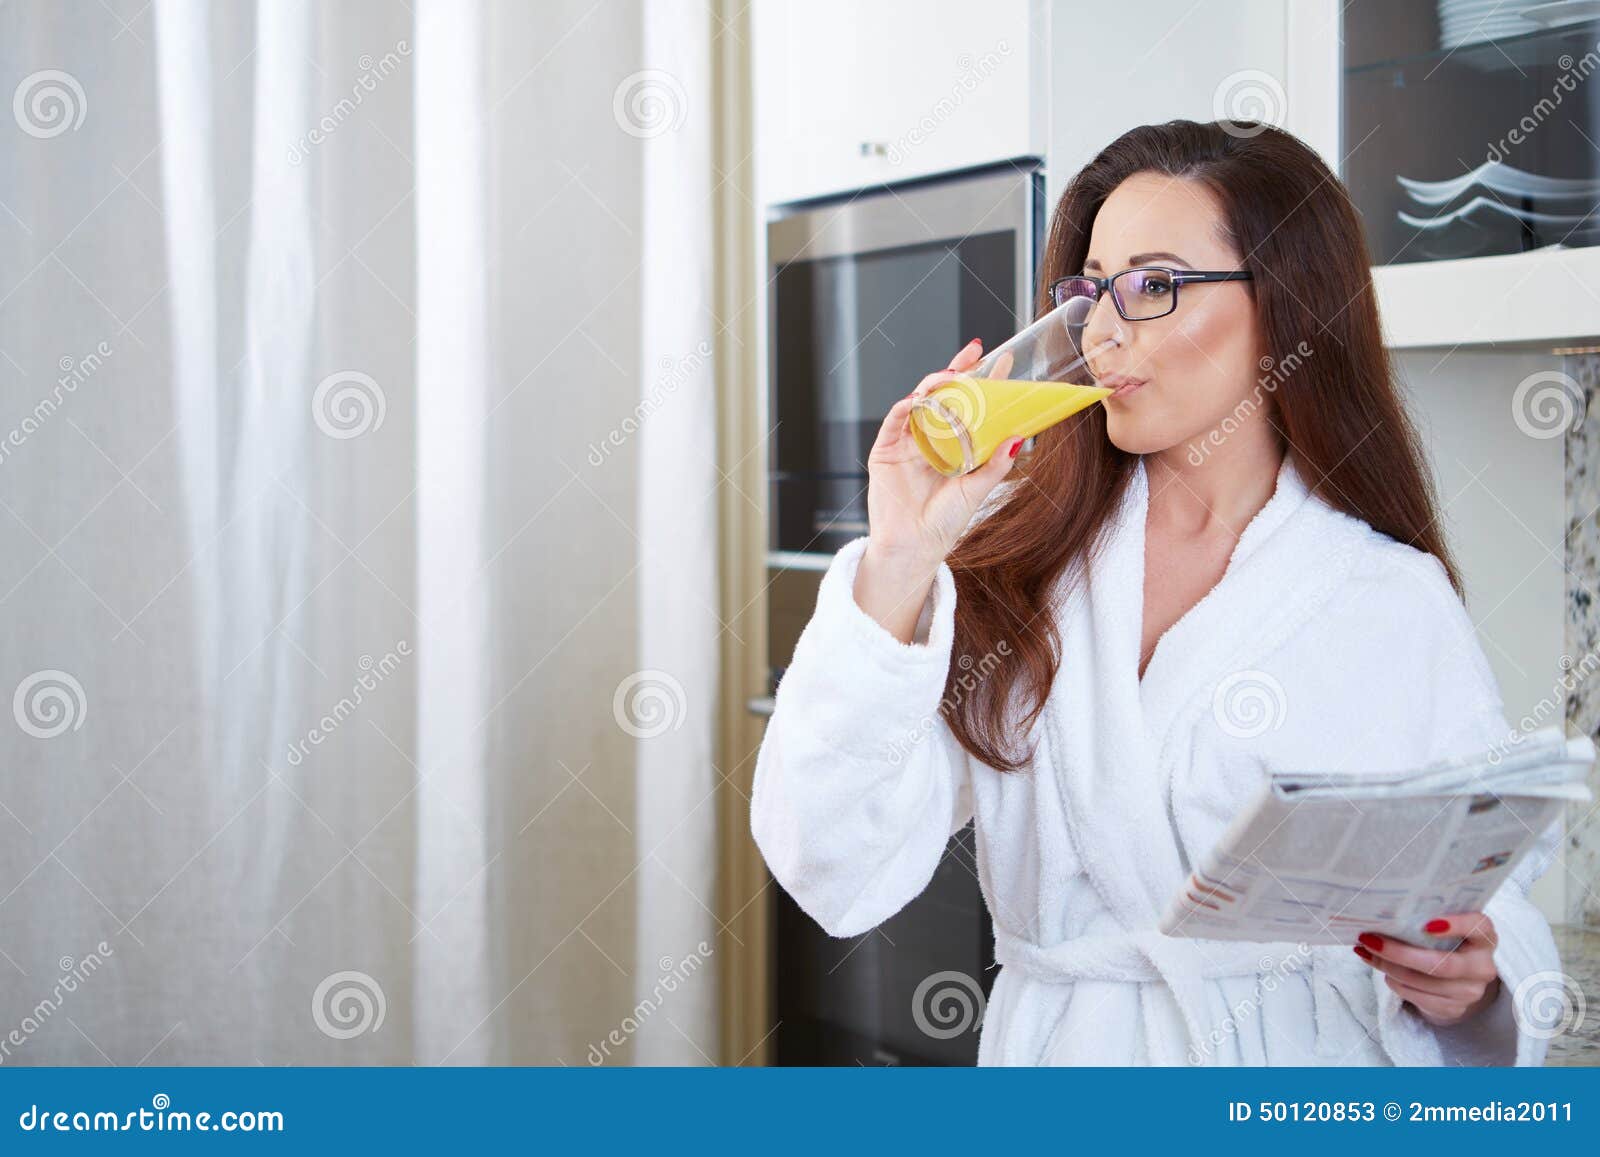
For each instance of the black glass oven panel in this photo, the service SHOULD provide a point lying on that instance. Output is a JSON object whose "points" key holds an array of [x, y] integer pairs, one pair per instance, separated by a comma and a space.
{"points": [[853, 334], [910, 992]]}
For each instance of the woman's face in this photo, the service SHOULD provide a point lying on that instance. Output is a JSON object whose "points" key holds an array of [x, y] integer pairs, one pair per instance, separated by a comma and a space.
{"points": [[1194, 366]]}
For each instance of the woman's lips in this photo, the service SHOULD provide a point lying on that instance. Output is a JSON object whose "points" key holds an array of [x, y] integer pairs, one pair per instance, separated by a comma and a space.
{"points": [[1122, 387]]}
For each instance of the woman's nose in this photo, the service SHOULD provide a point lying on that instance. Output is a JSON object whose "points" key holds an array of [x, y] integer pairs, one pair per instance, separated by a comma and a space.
{"points": [[1104, 324]]}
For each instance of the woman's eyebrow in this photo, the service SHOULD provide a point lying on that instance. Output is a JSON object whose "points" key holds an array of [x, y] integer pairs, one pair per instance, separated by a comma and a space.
{"points": [[1144, 259]]}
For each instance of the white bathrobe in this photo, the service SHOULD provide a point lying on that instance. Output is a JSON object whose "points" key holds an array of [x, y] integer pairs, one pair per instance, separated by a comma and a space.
{"points": [[1325, 645]]}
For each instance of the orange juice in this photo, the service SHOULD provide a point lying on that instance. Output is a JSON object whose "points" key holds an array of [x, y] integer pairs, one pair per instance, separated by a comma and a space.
{"points": [[960, 425]]}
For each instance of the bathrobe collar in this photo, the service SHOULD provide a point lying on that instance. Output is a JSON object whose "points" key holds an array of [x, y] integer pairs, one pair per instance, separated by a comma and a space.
{"points": [[1284, 565]]}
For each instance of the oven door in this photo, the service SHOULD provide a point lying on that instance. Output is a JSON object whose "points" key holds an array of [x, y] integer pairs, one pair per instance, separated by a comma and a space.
{"points": [[866, 298]]}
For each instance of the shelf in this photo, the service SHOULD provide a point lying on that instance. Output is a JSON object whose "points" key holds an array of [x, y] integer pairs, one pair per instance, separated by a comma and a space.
{"points": [[1497, 54], [1544, 297]]}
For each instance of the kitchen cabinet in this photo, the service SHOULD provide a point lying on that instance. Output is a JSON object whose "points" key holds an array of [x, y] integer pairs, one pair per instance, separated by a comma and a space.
{"points": [[1114, 67], [853, 95], [1398, 97]]}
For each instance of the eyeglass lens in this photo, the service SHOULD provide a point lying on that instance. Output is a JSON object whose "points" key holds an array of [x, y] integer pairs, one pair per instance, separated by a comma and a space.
{"points": [[1140, 294]]}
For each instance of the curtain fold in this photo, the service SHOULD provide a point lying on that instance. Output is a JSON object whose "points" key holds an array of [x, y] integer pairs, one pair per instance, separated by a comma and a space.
{"points": [[452, 1001], [672, 699]]}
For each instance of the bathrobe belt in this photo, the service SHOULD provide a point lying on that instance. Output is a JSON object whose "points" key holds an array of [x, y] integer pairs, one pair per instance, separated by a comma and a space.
{"points": [[1185, 965]]}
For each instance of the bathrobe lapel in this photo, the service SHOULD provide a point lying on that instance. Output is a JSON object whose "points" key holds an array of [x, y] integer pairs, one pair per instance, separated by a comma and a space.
{"points": [[1103, 764], [1290, 559]]}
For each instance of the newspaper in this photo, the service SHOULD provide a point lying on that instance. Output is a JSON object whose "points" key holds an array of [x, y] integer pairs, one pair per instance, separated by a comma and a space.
{"points": [[1320, 857]]}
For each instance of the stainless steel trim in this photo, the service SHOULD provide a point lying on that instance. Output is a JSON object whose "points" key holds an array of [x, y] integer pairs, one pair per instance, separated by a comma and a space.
{"points": [[884, 219], [798, 560]]}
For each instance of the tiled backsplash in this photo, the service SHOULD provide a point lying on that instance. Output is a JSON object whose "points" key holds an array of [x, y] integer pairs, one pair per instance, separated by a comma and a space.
{"points": [[1583, 626], [1570, 1003]]}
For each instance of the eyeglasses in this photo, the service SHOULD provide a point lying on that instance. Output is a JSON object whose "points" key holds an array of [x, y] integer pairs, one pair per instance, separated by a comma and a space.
{"points": [[1140, 294]]}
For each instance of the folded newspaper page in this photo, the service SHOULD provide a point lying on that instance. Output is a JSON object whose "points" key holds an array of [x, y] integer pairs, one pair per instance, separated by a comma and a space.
{"points": [[1320, 857]]}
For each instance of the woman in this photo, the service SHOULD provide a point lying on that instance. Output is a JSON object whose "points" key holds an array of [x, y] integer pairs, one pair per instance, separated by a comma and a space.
{"points": [[1072, 656]]}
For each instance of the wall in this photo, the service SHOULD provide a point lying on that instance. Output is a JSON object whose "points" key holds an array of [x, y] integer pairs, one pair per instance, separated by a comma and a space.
{"points": [[1501, 427]]}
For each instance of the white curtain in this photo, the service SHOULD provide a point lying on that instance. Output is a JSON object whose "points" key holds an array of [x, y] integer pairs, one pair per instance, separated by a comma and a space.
{"points": [[357, 492]]}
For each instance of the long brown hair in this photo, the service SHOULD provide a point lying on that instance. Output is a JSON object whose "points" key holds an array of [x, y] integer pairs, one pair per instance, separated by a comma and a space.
{"points": [[1298, 233]]}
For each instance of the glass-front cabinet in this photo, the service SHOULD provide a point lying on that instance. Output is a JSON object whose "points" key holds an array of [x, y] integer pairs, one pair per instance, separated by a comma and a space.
{"points": [[1472, 127]]}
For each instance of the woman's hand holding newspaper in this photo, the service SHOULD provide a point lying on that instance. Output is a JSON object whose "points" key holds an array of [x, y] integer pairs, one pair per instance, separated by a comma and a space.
{"points": [[1445, 987]]}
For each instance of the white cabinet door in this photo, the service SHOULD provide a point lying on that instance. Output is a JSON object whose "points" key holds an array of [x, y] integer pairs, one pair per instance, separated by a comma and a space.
{"points": [[856, 94], [1116, 66]]}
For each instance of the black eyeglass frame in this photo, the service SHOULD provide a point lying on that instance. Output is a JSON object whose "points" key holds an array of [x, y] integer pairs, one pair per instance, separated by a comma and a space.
{"points": [[1179, 277]]}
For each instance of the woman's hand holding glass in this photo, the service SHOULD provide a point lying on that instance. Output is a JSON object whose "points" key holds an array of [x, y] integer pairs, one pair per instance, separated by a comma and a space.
{"points": [[914, 513]]}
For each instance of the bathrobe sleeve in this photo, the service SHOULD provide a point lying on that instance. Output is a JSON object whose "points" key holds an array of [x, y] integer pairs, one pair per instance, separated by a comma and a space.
{"points": [[1462, 711], [1508, 1032], [859, 782]]}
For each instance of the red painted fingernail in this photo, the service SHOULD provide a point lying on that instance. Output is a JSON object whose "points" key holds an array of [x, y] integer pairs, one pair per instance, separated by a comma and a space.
{"points": [[977, 341], [1362, 952], [1436, 926], [1372, 940], [1015, 448]]}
